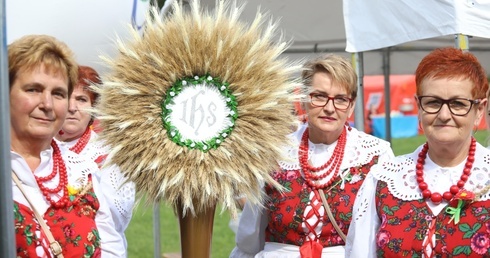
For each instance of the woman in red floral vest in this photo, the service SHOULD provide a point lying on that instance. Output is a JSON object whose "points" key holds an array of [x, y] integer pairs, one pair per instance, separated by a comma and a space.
{"points": [[320, 173], [79, 136], [433, 202], [54, 182]]}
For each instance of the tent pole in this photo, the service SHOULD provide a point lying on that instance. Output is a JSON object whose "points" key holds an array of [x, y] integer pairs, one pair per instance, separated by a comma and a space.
{"points": [[7, 239], [157, 252], [462, 42], [358, 63], [387, 94]]}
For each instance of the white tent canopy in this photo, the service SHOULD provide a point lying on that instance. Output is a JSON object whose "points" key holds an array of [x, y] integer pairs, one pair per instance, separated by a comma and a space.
{"points": [[377, 24], [318, 26]]}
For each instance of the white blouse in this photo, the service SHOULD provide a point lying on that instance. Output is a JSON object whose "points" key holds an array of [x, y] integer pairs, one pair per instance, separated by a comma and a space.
{"points": [[119, 194], [250, 239], [399, 174], [78, 169]]}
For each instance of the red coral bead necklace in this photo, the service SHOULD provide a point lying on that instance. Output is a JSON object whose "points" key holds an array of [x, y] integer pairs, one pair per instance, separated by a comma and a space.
{"points": [[313, 174], [435, 197], [82, 141], [58, 167]]}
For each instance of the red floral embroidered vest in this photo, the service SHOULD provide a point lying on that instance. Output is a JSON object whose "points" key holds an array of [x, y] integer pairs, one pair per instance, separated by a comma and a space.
{"points": [[404, 225], [73, 227], [286, 210]]}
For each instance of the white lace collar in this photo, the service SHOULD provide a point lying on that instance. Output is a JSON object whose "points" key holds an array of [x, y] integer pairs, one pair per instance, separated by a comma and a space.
{"points": [[399, 174], [78, 168], [360, 149], [92, 150]]}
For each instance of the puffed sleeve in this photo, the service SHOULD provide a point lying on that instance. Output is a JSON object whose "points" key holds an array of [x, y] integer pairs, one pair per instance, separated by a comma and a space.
{"points": [[111, 242], [250, 237], [361, 237], [120, 196]]}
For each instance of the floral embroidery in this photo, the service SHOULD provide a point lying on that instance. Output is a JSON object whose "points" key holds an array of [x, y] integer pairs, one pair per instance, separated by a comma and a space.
{"points": [[286, 209], [92, 251], [480, 243], [73, 226], [25, 228], [470, 237], [383, 238]]}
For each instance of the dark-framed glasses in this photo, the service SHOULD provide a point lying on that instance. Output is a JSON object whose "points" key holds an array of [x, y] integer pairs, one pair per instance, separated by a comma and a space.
{"points": [[321, 100], [457, 106]]}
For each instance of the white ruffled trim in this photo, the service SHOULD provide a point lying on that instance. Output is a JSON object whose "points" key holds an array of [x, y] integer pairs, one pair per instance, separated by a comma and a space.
{"points": [[77, 168], [399, 174], [119, 194], [92, 150], [360, 149]]}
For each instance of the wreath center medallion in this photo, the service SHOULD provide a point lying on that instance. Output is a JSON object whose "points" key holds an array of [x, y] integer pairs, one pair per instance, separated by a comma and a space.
{"points": [[199, 112]]}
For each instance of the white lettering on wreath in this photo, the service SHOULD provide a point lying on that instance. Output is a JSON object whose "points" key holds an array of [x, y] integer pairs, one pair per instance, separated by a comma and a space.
{"points": [[200, 112], [196, 110]]}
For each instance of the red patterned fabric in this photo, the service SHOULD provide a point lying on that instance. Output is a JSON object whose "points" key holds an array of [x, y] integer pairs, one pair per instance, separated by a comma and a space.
{"points": [[73, 227], [405, 225], [286, 210]]}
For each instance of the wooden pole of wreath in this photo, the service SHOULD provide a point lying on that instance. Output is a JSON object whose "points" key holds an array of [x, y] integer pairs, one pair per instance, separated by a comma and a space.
{"points": [[196, 232]]}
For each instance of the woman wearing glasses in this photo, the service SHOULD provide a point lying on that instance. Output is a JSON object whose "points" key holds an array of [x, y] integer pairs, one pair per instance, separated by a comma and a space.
{"points": [[433, 202], [321, 173]]}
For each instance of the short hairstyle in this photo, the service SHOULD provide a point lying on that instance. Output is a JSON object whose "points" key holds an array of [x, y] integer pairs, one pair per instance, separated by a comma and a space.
{"points": [[31, 51], [338, 67], [452, 63], [87, 76]]}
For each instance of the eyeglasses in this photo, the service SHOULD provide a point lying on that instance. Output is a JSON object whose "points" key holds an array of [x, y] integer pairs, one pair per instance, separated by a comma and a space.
{"points": [[457, 106], [321, 100]]}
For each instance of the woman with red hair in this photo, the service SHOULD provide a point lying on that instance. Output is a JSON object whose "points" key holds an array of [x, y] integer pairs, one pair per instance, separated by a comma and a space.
{"points": [[79, 136], [434, 202]]}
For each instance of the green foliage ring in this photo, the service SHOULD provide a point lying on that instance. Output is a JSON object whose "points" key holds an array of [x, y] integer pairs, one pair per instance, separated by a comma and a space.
{"points": [[174, 134]]}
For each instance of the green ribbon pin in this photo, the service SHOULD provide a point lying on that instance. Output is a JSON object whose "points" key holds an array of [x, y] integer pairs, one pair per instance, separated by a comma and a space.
{"points": [[455, 212]]}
